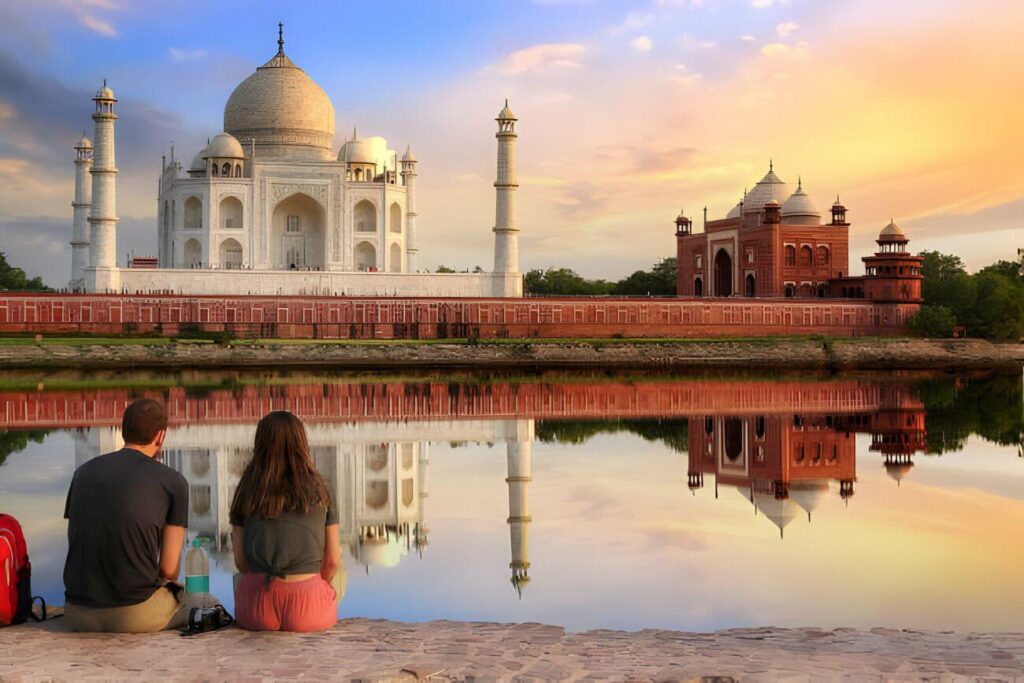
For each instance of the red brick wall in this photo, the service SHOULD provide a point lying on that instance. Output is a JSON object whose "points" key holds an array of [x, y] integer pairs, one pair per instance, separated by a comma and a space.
{"points": [[398, 318]]}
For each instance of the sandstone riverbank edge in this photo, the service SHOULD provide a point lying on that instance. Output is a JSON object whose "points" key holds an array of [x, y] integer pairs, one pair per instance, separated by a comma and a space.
{"points": [[788, 353], [377, 650]]}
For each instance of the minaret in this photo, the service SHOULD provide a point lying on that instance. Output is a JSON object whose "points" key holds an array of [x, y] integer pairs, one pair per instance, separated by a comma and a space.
{"points": [[506, 234], [102, 274], [409, 178], [80, 222], [518, 479]]}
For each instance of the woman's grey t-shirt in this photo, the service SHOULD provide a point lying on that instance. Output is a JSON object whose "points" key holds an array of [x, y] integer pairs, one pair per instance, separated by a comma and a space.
{"points": [[291, 543]]}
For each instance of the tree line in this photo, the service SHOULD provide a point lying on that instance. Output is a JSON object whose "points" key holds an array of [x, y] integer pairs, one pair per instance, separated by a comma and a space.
{"points": [[13, 279], [987, 304]]}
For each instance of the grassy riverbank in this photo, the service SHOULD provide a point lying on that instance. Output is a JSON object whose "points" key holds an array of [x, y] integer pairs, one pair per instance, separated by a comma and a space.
{"points": [[809, 353]]}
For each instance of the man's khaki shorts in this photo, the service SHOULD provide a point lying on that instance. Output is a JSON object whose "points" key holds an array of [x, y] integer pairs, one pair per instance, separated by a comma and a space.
{"points": [[161, 612]]}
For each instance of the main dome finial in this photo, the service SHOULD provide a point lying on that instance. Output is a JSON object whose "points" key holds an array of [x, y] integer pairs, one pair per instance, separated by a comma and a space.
{"points": [[280, 37]]}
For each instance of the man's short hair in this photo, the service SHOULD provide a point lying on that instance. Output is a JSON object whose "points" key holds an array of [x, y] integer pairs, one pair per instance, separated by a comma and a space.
{"points": [[142, 420]]}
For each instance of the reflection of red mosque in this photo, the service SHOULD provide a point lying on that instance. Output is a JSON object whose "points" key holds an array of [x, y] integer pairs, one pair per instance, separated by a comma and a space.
{"points": [[784, 463]]}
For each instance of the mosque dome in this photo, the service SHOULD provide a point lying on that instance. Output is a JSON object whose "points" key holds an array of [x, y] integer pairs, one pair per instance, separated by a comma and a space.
{"points": [[768, 188], [283, 110], [799, 208], [224, 146], [891, 233], [83, 143], [408, 156]]}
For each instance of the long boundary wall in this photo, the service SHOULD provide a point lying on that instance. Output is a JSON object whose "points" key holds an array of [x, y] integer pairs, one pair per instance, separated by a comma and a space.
{"points": [[439, 318]]}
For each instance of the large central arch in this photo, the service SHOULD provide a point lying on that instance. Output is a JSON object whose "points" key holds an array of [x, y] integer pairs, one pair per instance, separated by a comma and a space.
{"points": [[723, 273], [298, 234]]}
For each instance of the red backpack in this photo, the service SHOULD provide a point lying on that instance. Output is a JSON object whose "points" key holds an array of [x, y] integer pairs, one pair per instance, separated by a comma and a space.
{"points": [[15, 574]]}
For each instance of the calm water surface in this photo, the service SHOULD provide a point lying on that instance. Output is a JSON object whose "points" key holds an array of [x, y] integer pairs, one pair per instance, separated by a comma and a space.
{"points": [[622, 502]]}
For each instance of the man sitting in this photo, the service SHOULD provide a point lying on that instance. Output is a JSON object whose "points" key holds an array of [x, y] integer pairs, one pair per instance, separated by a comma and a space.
{"points": [[127, 515]]}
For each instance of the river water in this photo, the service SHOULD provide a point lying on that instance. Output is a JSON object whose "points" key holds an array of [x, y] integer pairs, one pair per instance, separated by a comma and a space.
{"points": [[591, 500]]}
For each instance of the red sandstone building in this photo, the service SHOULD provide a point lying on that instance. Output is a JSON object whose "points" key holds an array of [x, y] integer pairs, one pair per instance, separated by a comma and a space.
{"points": [[774, 244]]}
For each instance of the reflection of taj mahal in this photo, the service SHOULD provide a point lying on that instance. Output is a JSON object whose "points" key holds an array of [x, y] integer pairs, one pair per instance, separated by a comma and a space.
{"points": [[377, 473]]}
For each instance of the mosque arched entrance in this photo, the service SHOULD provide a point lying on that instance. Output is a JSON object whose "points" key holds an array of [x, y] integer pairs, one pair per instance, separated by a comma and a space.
{"points": [[298, 234], [723, 273]]}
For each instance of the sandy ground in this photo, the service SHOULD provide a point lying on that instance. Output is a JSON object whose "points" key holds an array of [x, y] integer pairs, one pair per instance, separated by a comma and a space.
{"points": [[370, 650]]}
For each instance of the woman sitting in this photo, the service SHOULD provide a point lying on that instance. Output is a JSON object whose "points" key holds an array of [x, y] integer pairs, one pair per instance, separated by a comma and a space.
{"points": [[284, 534]]}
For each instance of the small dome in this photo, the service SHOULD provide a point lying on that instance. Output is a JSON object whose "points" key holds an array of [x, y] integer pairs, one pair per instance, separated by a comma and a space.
{"points": [[224, 146], [891, 233], [408, 156], [898, 471], [83, 143], [800, 207], [506, 114], [105, 93], [734, 212], [199, 161], [808, 494], [357, 151]]}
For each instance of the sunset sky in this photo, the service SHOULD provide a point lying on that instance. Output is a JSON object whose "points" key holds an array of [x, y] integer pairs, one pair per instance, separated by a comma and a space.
{"points": [[628, 112]]}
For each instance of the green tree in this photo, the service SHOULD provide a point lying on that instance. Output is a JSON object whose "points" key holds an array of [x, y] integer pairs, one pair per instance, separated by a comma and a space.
{"points": [[13, 279], [563, 281], [661, 280], [933, 320], [444, 269], [14, 442], [999, 311]]}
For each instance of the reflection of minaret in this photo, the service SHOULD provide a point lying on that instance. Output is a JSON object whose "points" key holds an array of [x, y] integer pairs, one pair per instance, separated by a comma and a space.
{"points": [[518, 479], [420, 530], [95, 441]]}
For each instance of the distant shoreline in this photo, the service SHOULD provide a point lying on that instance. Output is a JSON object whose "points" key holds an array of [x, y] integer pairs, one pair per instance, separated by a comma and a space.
{"points": [[808, 353]]}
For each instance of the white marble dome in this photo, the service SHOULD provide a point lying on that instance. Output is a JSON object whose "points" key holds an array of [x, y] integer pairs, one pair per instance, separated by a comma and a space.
{"points": [[198, 162], [283, 110], [799, 209], [224, 146], [83, 143], [357, 151], [768, 188]]}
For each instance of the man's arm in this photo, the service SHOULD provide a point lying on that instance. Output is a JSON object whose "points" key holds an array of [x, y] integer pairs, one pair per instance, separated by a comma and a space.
{"points": [[171, 542], [332, 553]]}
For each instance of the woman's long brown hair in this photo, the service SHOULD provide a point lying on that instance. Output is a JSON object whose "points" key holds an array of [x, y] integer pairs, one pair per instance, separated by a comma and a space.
{"points": [[281, 476]]}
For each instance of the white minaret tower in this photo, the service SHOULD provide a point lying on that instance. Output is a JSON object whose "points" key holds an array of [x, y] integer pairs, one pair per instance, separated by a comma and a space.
{"points": [[80, 222], [409, 178], [506, 234], [103, 275], [518, 479]]}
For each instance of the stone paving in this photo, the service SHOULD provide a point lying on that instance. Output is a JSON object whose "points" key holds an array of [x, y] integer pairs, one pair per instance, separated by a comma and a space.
{"points": [[373, 650]]}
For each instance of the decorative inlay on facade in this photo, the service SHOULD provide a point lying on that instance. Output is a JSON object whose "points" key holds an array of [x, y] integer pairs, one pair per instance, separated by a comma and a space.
{"points": [[317, 191]]}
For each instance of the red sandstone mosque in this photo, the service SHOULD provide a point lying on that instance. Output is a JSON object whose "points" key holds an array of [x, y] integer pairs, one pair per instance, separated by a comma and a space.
{"points": [[773, 243]]}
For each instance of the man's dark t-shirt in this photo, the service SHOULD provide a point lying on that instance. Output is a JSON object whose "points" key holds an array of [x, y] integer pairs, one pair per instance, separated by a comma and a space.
{"points": [[117, 507]]}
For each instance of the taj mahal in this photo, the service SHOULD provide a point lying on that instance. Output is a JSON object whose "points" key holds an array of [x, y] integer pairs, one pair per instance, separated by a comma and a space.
{"points": [[267, 207]]}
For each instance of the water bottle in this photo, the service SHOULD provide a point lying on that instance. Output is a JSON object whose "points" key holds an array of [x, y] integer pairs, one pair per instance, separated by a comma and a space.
{"points": [[197, 569]]}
